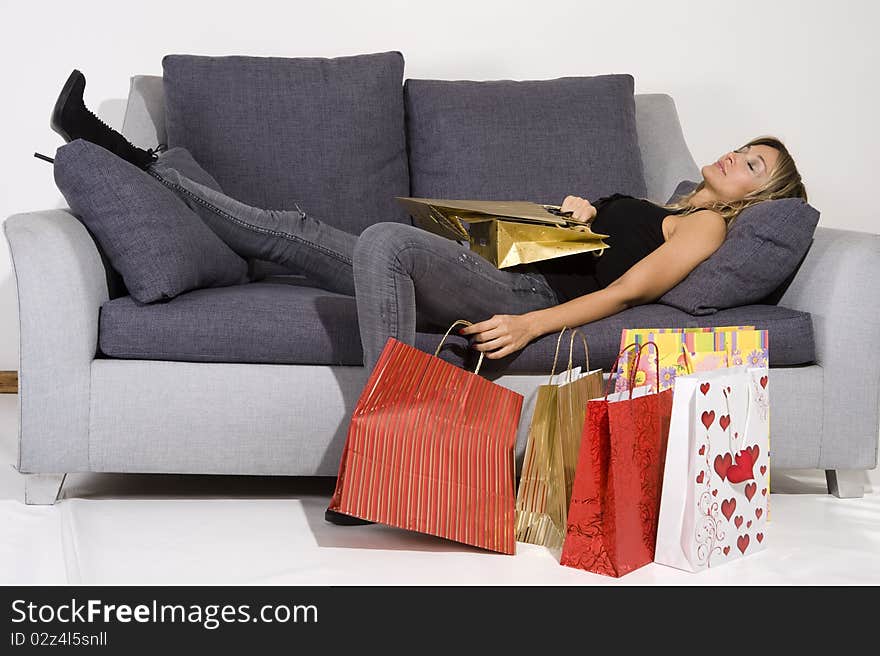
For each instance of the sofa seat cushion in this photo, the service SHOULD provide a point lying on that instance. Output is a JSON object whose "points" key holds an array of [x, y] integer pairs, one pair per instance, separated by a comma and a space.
{"points": [[790, 336], [325, 134], [284, 320], [281, 320]]}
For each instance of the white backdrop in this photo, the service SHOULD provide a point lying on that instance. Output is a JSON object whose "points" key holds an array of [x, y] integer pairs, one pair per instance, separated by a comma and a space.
{"points": [[805, 71]]}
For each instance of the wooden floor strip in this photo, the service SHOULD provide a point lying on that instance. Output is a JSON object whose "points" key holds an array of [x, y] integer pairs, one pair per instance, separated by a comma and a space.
{"points": [[8, 382]]}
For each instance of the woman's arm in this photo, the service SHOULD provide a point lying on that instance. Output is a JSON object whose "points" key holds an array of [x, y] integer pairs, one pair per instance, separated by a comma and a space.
{"points": [[697, 236]]}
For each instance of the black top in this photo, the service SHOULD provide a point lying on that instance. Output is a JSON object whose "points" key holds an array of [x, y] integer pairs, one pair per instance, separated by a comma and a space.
{"points": [[635, 228]]}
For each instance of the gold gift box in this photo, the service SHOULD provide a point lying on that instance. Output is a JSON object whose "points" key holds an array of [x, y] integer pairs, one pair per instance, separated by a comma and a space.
{"points": [[506, 233]]}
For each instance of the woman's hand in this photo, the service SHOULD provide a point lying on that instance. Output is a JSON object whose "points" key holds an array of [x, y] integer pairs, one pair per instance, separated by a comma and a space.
{"points": [[501, 335], [579, 207]]}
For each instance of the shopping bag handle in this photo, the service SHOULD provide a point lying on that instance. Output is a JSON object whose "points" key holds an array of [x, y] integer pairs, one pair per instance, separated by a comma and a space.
{"points": [[574, 331], [440, 345], [688, 363], [742, 432], [614, 366], [635, 368]]}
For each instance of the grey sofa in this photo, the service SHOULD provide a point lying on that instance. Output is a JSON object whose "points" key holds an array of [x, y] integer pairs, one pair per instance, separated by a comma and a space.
{"points": [[82, 411]]}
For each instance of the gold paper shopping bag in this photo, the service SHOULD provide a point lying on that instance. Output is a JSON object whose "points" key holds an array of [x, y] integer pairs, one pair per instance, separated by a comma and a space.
{"points": [[506, 233], [552, 450]]}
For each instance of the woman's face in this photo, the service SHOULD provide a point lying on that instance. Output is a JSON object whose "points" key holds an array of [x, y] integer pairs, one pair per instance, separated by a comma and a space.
{"points": [[740, 172]]}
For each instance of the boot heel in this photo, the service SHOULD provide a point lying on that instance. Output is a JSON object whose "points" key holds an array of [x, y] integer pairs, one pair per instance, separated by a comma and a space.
{"points": [[44, 158]]}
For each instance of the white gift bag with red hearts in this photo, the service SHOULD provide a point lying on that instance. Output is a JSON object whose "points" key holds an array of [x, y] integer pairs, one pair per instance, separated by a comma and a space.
{"points": [[713, 507]]}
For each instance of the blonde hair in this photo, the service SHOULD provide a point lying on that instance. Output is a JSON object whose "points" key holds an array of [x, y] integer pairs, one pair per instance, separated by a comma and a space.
{"points": [[784, 182]]}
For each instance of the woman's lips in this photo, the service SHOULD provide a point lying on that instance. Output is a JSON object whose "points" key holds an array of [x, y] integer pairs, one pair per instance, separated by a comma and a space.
{"points": [[721, 166]]}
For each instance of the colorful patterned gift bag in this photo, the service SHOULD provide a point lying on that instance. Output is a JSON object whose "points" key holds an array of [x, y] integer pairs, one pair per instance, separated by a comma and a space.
{"points": [[716, 480], [552, 449], [430, 449], [612, 519], [688, 350]]}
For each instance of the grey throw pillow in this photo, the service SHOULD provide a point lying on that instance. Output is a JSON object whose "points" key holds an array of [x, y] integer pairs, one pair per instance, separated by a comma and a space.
{"points": [[159, 246], [537, 140], [761, 253], [324, 134]]}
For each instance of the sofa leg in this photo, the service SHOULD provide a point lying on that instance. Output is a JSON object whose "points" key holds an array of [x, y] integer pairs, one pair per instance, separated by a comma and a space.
{"points": [[42, 489], [845, 483]]}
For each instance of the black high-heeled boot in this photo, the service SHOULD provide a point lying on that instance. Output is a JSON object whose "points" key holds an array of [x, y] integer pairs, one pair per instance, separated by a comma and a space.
{"points": [[73, 120], [344, 520]]}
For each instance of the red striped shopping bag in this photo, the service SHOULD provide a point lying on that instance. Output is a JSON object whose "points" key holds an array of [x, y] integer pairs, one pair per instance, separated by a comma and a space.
{"points": [[430, 449]]}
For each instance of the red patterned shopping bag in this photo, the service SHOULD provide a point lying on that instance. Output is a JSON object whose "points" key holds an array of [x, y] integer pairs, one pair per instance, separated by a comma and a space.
{"points": [[430, 449], [612, 519]]}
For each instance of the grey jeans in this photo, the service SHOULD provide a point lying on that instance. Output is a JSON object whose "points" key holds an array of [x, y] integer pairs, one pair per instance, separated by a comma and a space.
{"points": [[395, 271]]}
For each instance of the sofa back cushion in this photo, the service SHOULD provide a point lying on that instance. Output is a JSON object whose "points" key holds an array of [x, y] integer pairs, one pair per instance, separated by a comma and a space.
{"points": [[762, 252], [326, 134], [159, 245], [535, 140]]}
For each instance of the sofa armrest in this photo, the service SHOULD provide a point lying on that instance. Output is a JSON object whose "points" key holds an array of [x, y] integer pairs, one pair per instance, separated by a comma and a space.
{"points": [[61, 283], [665, 156], [837, 285], [144, 122]]}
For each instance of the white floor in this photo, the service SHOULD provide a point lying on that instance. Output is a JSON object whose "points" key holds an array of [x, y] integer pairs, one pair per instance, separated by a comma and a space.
{"points": [[142, 529]]}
